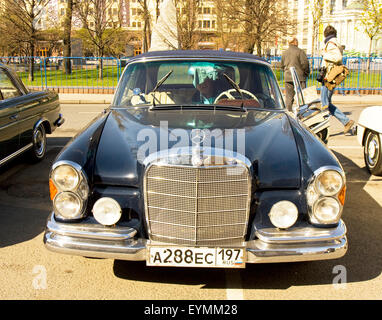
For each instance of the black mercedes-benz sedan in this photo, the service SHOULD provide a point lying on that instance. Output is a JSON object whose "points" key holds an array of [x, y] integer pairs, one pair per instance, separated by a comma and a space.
{"points": [[26, 117], [197, 163]]}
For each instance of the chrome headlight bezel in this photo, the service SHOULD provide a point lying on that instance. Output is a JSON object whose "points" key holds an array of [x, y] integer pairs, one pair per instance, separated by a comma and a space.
{"points": [[315, 195], [81, 189]]}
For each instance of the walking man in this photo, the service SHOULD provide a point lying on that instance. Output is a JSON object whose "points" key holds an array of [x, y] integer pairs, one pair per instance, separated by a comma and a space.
{"points": [[332, 56], [294, 57]]}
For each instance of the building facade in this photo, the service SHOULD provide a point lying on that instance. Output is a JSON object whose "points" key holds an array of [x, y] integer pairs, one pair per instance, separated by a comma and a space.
{"points": [[344, 15]]}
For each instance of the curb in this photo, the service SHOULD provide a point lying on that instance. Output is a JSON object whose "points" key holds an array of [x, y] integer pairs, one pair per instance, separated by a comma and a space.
{"points": [[85, 101]]}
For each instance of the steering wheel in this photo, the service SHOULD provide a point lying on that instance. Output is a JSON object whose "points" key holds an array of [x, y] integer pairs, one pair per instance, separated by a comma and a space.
{"points": [[228, 94]]}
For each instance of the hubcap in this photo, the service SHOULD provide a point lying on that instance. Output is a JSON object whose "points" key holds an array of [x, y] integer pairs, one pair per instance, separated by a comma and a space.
{"points": [[39, 142], [373, 151]]}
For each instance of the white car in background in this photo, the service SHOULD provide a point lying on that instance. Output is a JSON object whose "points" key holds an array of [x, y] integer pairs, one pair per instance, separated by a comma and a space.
{"points": [[369, 135]]}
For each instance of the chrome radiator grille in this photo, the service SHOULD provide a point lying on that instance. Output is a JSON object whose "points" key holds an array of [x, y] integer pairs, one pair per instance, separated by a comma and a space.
{"points": [[197, 205]]}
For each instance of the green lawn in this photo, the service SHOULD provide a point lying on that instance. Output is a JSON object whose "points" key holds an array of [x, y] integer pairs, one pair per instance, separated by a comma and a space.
{"points": [[354, 80], [88, 78], [78, 78]]}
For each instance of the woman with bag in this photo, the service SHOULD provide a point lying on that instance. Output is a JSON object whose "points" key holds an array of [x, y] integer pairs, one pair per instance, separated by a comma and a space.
{"points": [[331, 60]]}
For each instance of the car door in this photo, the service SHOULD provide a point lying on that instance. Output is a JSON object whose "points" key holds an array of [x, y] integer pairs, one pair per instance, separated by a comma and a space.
{"points": [[30, 109], [9, 113], [309, 111]]}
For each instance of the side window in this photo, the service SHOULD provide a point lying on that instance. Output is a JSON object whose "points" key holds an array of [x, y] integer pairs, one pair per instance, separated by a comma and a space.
{"points": [[7, 88]]}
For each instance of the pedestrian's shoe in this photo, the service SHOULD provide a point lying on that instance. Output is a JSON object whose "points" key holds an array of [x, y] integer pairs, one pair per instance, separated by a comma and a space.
{"points": [[348, 126]]}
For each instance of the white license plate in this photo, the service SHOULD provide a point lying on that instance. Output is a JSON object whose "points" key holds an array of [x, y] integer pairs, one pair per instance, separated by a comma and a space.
{"points": [[195, 257]]}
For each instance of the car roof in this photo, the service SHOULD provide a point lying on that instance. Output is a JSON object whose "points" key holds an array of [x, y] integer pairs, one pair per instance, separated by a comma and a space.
{"points": [[221, 54]]}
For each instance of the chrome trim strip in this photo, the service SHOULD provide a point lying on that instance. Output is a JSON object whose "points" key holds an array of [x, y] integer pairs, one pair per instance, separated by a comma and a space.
{"points": [[208, 226], [321, 125], [90, 229], [134, 250], [15, 154], [259, 252], [171, 244], [198, 212], [301, 234], [188, 197], [201, 182]]}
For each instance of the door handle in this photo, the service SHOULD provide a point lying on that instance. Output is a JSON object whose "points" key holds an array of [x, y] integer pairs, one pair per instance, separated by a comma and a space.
{"points": [[14, 117]]}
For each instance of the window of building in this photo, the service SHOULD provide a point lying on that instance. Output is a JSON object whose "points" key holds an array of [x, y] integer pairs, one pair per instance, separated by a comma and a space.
{"points": [[344, 4], [137, 50], [206, 24], [206, 10], [332, 5]]}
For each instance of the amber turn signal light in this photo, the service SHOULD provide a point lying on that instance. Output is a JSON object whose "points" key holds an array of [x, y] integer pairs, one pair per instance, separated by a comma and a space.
{"points": [[52, 189], [341, 195]]}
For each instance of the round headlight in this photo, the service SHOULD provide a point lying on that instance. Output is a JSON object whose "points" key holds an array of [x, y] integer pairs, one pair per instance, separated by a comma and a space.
{"points": [[65, 177], [283, 214], [107, 211], [329, 183], [327, 210], [67, 205]]}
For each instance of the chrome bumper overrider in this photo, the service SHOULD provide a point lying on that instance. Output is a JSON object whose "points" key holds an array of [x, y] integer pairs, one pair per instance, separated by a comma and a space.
{"points": [[271, 245]]}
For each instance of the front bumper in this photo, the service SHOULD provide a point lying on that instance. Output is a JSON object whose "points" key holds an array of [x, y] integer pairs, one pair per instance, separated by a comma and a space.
{"points": [[90, 239]]}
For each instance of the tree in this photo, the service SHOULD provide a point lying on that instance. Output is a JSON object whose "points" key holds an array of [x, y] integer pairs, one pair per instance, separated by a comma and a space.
{"points": [[100, 22], [260, 21], [67, 36], [316, 10], [19, 25], [226, 25], [186, 16], [146, 17], [371, 22]]}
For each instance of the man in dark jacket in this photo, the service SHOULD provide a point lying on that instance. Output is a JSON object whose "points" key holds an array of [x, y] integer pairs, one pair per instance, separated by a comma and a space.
{"points": [[294, 57]]}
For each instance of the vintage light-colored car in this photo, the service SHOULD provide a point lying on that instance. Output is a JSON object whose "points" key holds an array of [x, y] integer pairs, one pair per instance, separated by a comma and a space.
{"points": [[197, 163], [369, 135]]}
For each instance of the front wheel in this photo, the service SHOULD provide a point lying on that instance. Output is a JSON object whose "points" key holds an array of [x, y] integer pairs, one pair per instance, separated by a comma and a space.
{"points": [[38, 150], [373, 153]]}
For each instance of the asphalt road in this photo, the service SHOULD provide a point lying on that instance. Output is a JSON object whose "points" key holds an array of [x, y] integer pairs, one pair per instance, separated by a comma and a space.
{"points": [[29, 271]]}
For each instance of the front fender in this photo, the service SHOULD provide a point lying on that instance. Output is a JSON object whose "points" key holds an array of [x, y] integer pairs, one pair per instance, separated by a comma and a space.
{"points": [[371, 118], [82, 148]]}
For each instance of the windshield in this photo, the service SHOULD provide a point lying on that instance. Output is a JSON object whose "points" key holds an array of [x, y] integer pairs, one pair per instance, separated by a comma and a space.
{"points": [[190, 82]]}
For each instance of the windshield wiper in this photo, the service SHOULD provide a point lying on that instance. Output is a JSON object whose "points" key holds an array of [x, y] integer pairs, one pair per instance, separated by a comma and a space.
{"points": [[236, 87], [159, 83]]}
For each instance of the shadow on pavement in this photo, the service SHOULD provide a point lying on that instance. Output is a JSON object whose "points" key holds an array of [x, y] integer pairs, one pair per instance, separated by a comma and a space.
{"points": [[24, 196], [363, 260]]}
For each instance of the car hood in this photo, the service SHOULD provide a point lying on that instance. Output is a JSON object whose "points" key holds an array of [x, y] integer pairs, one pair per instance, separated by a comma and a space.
{"points": [[269, 144]]}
